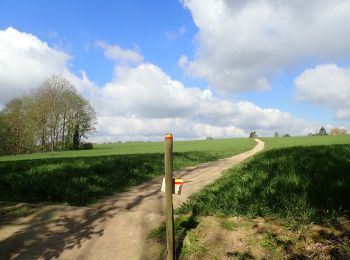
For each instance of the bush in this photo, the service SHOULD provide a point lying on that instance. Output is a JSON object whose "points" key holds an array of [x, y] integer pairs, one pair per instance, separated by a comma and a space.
{"points": [[86, 146]]}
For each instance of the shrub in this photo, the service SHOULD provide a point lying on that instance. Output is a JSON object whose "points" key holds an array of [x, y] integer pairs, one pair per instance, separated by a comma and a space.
{"points": [[86, 146]]}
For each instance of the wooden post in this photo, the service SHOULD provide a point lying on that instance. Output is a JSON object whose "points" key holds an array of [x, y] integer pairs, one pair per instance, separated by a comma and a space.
{"points": [[169, 196]]}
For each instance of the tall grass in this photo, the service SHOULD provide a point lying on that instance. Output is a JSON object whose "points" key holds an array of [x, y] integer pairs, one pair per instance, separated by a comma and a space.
{"points": [[82, 180], [304, 184]]}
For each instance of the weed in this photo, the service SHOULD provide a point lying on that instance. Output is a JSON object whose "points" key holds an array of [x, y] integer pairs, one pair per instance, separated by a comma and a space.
{"points": [[229, 224], [192, 246]]}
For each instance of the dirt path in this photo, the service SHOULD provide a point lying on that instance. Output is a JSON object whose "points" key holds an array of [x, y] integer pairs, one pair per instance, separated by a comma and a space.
{"points": [[113, 229]]}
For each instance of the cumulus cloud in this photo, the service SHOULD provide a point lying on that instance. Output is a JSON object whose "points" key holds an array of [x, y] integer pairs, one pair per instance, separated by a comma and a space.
{"points": [[26, 61], [143, 103], [326, 85], [243, 44], [116, 53]]}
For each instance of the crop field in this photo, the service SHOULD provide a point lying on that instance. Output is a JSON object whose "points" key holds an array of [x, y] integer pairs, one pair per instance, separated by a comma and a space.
{"points": [[225, 147], [291, 202], [279, 142], [304, 184], [82, 177]]}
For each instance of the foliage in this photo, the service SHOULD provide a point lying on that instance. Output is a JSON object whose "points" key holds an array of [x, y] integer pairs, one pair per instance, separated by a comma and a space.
{"points": [[47, 119], [276, 134], [83, 180], [338, 131], [322, 131], [286, 135], [16, 130], [253, 135], [288, 182], [86, 146]]}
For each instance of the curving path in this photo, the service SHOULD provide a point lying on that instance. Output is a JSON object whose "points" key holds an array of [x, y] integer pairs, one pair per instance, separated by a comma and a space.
{"points": [[113, 229]]}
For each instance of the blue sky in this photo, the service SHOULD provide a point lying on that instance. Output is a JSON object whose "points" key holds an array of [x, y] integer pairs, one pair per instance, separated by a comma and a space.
{"points": [[75, 26], [253, 50]]}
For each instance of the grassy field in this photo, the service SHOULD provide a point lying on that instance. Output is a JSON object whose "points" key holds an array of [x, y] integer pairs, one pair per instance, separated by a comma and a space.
{"points": [[220, 146], [282, 142], [82, 177], [291, 203], [303, 184]]}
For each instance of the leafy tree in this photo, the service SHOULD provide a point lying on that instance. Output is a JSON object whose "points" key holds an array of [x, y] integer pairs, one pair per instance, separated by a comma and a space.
{"points": [[286, 135], [17, 132], [76, 138], [53, 117], [276, 134], [338, 131], [322, 131], [253, 135], [67, 112]]}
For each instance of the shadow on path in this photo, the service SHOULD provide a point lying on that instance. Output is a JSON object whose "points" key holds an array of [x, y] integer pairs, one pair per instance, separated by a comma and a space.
{"points": [[49, 232]]}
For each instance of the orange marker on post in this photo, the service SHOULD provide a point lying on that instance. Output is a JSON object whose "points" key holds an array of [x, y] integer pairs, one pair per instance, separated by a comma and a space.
{"points": [[168, 137]]}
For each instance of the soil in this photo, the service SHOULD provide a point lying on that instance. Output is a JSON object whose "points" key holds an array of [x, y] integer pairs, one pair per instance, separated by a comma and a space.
{"points": [[263, 238]]}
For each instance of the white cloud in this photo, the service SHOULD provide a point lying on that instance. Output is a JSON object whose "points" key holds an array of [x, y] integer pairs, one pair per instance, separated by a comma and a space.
{"points": [[243, 44], [26, 61], [116, 53], [326, 85], [143, 103], [183, 61], [172, 35]]}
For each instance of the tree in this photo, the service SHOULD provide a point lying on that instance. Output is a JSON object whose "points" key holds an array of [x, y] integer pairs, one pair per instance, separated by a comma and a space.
{"points": [[276, 134], [60, 112], [286, 135], [253, 135], [17, 132], [76, 138], [322, 131], [338, 131], [53, 117]]}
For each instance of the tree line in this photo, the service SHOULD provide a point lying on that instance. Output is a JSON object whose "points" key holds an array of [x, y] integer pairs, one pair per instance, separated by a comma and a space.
{"points": [[53, 117]]}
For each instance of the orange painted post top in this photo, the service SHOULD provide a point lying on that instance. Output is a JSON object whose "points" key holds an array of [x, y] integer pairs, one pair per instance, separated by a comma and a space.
{"points": [[168, 137]]}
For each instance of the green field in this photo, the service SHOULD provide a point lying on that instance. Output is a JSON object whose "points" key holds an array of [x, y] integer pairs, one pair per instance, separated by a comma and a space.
{"points": [[284, 203], [82, 177], [302, 184], [279, 142], [225, 147]]}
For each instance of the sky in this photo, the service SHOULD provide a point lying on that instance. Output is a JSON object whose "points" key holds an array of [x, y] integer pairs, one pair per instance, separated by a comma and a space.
{"points": [[218, 68]]}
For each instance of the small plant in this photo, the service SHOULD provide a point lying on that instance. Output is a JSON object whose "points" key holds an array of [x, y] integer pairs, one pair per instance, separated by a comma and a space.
{"points": [[229, 225], [192, 246], [86, 146]]}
